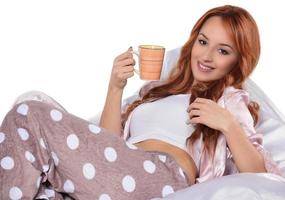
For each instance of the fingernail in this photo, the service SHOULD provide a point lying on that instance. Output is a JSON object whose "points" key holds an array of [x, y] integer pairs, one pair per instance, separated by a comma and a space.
{"points": [[187, 110]]}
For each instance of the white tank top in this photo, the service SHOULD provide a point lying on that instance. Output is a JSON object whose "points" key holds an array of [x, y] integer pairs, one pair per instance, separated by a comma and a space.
{"points": [[163, 120]]}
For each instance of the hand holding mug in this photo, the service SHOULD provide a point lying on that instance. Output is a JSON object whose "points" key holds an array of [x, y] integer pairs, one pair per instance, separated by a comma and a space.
{"points": [[123, 68]]}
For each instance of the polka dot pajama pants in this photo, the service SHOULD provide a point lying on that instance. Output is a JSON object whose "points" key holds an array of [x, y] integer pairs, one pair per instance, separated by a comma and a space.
{"points": [[47, 153]]}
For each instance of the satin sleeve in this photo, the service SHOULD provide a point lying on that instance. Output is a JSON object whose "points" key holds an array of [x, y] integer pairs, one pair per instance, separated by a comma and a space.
{"points": [[237, 103]]}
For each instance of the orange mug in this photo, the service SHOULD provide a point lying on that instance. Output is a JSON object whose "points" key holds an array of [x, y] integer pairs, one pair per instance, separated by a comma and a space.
{"points": [[150, 61]]}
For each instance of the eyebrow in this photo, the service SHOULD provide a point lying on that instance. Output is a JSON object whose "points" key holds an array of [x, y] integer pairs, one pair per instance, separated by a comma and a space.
{"points": [[222, 44]]}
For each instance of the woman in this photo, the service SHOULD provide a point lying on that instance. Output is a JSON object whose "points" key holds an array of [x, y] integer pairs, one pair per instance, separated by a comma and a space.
{"points": [[46, 152]]}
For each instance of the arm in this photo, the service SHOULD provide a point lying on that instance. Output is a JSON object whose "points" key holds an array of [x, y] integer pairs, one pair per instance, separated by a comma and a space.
{"points": [[121, 71], [245, 155], [111, 115]]}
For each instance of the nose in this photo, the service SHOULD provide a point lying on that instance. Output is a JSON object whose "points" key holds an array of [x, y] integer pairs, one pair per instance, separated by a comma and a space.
{"points": [[207, 55]]}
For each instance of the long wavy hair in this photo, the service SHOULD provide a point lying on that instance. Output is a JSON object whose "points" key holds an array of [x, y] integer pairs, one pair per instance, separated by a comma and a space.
{"points": [[243, 30]]}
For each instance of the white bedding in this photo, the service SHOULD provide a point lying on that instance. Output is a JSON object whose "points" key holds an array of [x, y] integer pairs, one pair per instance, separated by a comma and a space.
{"points": [[245, 186]]}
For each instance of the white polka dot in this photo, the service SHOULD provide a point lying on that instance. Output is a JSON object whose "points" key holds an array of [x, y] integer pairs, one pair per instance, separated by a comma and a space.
{"points": [[2, 137], [88, 171], [45, 168], [94, 129], [131, 146], [68, 186], [50, 193], [167, 190], [72, 141], [149, 166], [181, 172], [29, 156], [110, 154], [43, 196], [104, 197], [23, 133], [55, 158], [162, 158], [15, 193], [38, 182], [7, 163], [23, 109], [129, 183], [56, 115], [42, 143]]}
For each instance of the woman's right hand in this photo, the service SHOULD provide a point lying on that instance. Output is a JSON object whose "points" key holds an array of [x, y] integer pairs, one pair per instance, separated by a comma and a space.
{"points": [[123, 68]]}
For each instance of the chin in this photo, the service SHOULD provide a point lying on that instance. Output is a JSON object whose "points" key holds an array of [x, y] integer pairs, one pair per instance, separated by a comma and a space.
{"points": [[203, 79]]}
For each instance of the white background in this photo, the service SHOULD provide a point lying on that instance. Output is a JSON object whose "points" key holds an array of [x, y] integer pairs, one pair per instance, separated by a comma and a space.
{"points": [[66, 48]]}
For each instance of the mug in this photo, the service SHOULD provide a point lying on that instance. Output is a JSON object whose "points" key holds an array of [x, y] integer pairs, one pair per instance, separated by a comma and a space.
{"points": [[150, 61]]}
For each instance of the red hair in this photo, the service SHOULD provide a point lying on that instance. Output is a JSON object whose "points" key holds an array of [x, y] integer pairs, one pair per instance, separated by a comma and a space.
{"points": [[244, 32]]}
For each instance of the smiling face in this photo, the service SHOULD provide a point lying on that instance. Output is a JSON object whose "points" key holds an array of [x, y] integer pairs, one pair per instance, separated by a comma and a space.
{"points": [[213, 53]]}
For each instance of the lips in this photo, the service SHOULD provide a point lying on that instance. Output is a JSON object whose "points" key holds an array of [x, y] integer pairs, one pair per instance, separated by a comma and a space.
{"points": [[205, 68]]}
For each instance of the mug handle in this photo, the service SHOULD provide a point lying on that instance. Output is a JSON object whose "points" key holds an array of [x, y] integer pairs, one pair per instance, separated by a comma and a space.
{"points": [[138, 55]]}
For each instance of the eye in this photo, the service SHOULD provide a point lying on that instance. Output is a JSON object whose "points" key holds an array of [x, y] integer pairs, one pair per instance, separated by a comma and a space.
{"points": [[223, 52], [202, 42]]}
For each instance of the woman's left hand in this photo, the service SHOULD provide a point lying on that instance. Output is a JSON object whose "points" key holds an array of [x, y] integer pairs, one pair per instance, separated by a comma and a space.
{"points": [[207, 112]]}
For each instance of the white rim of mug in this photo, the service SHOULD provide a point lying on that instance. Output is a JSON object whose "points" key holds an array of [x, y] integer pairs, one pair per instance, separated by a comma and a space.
{"points": [[151, 46]]}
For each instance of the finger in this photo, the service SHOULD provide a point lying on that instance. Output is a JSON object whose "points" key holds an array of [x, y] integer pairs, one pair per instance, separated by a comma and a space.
{"points": [[127, 69], [128, 75], [124, 55], [202, 100], [194, 113], [120, 72], [196, 120], [194, 106], [125, 62]]}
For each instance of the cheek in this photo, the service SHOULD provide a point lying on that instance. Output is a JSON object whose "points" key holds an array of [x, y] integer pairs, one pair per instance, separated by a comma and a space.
{"points": [[194, 53], [226, 65]]}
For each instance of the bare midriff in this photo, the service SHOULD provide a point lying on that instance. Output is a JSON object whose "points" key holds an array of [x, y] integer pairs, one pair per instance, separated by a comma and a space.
{"points": [[183, 159]]}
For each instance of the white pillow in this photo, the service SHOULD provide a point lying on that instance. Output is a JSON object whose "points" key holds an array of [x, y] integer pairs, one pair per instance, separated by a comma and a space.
{"points": [[38, 96]]}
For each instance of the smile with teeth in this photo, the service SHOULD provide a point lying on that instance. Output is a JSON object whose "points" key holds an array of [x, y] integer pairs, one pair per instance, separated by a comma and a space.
{"points": [[204, 68]]}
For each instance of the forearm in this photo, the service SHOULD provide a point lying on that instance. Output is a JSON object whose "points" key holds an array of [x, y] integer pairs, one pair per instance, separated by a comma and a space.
{"points": [[245, 155], [111, 115]]}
